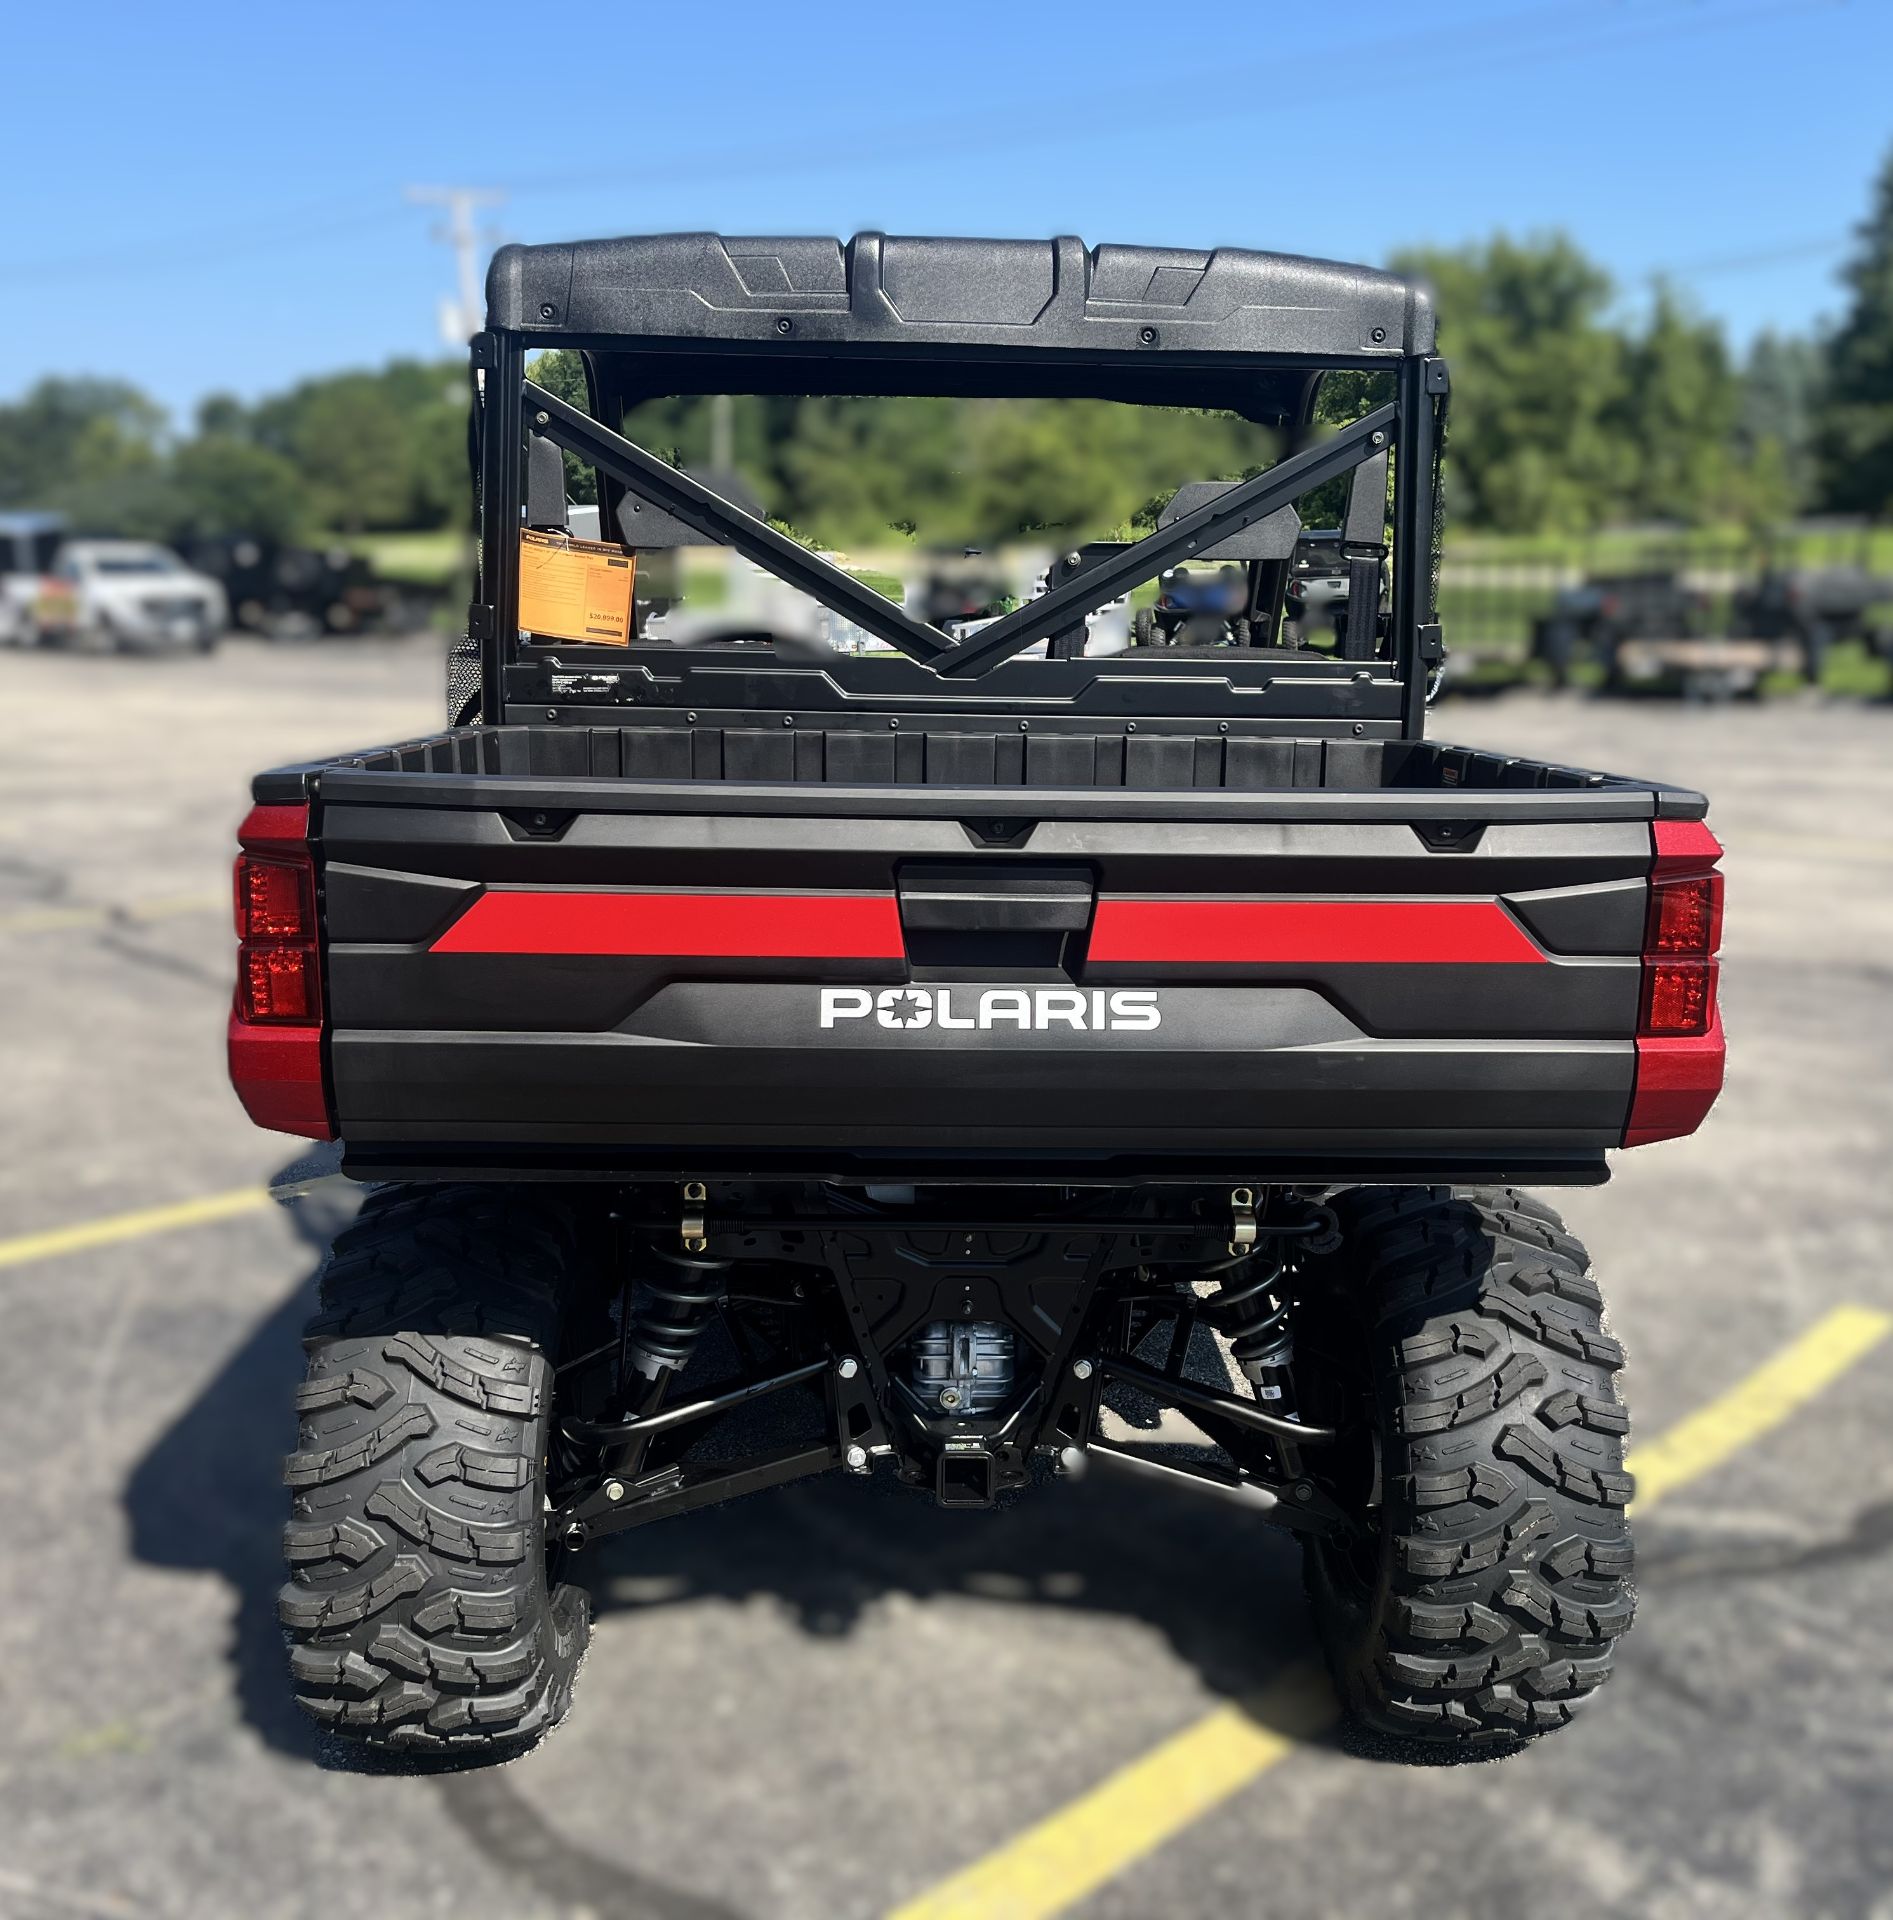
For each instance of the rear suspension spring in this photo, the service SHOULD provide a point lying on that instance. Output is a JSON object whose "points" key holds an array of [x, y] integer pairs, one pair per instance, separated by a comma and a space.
{"points": [[662, 1330], [1251, 1308]]}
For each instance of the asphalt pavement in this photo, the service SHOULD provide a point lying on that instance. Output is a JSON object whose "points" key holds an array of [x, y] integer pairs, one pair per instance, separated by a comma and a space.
{"points": [[829, 1701]]}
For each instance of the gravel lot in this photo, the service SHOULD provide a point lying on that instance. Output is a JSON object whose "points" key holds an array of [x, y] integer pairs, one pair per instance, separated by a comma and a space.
{"points": [[819, 1703]]}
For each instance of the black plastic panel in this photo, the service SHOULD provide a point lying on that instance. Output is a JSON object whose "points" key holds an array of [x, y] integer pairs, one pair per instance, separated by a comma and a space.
{"points": [[884, 291], [1483, 1064]]}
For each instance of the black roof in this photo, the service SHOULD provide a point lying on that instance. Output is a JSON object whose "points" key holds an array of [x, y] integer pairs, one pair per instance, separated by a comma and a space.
{"points": [[879, 292]]}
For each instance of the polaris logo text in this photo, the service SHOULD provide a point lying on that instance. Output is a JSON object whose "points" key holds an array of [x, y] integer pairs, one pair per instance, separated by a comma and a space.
{"points": [[1026, 1009]]}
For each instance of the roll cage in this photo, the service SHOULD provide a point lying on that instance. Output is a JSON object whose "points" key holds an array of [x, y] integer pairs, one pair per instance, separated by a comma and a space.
{"points": [[1248, 332]]}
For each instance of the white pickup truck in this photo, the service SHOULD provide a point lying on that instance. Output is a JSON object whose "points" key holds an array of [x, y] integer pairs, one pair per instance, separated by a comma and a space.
{"points": [[130, 594]]}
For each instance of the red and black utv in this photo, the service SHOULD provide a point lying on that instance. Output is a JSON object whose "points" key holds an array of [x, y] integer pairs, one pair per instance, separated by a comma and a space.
{"points": [[939, 1063]]}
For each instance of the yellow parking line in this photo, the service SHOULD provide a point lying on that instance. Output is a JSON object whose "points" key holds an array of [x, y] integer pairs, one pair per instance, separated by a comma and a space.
{"points": [[52, 919], [1094, 1838], [131, 1226], [1136, 1810], [1758, 1404]]}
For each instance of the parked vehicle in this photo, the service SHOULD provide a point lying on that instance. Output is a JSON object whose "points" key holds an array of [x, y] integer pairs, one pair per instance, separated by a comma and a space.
{"points": [[1594, 622], [1814, 608], [131, 595], [284, 591], [965, 1054], [29, 544]]}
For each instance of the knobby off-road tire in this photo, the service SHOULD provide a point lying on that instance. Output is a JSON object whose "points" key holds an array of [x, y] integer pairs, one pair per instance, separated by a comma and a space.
{"points": [[419, 1612], [1486, 1607]]}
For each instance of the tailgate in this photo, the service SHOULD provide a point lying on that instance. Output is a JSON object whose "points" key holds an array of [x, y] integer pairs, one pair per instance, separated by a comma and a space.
{"points": [[843, 979]]}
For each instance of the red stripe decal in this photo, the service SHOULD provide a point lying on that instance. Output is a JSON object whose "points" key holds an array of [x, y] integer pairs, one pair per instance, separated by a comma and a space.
{"points": [[740, 926], [1310, 932]]}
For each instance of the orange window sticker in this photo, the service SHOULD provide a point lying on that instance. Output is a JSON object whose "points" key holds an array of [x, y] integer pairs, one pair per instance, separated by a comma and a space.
{"points": [[575, 589]]}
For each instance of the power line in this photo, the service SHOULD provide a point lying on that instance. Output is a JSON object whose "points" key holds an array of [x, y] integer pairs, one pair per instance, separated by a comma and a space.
{"points": [[1810, 249]]}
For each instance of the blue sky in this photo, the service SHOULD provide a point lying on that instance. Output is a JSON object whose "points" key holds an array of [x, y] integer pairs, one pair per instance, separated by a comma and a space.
{"points": [[211, 196]]}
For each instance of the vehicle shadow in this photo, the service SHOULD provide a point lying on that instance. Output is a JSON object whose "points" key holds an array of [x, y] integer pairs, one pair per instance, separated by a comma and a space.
{"points": [[1219, 1585], [208, 1494]]}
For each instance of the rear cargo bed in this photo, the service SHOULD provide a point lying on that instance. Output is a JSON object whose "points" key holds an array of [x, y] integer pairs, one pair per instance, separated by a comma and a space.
{"points": [[1403, 960], [1149, 757]]}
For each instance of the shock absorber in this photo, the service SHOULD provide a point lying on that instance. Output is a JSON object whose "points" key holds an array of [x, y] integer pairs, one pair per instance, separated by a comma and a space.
{"points": [[1251, 1309], [659, 1334], [661, 1331]]}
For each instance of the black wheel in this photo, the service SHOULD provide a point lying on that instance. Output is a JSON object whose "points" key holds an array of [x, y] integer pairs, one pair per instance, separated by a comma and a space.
{"points": [[423, 1610], [1144, 628], [1458, 1337]]}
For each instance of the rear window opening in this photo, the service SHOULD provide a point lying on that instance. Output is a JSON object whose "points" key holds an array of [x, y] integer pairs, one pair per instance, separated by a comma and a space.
{"points": [[959, 510]]}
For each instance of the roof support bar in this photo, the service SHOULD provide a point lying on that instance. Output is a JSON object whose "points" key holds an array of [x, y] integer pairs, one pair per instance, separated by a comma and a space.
{"points": [[1243, 505], [697, 506]]}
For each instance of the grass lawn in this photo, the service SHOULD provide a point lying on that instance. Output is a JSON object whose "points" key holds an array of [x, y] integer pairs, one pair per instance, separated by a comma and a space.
{"points": [[1632, 549], [427, 559]]}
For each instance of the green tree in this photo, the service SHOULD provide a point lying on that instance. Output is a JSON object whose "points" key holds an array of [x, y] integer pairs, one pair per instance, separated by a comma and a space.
{"points": [[1774, 427], [561, 373], [354, 455], [1538, 379], [69, 443], [375, 450], [1677, 415], [1855, 421], [222, 484]]}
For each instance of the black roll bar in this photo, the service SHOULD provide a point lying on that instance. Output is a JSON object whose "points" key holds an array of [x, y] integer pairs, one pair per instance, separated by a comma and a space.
{"points": [[511, 403]]}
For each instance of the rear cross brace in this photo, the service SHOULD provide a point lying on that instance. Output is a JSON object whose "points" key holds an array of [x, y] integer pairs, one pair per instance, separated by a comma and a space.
{"points": [[728, 525]]}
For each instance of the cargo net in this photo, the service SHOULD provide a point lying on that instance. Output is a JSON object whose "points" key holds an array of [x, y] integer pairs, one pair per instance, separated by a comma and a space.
{"points": [[1437, 544], [463, 682], [464, 658]]}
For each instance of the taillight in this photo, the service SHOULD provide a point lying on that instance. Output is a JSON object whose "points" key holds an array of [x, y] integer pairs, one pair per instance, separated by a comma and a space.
{"points": [[279, 982], [1685, 916], [276, 1023], [1680, 1050], [277, 973], [1679, 996], [275, 899], [1680, 939]]}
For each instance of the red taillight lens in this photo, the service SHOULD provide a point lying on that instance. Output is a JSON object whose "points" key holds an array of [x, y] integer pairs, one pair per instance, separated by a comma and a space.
{"points": [[1682, 932], [1679, 996], [276, 1043], [280, 983], [1680, 1049], [1685, 916], [274, 900]]}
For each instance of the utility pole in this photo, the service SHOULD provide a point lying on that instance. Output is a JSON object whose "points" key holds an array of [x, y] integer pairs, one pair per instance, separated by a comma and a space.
{"points": [[460, 317]]}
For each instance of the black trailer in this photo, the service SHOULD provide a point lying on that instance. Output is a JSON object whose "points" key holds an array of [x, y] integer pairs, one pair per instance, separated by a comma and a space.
{"points": [[1594, 623], [959, 1052]]}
